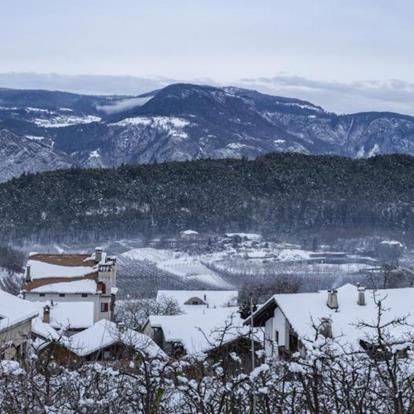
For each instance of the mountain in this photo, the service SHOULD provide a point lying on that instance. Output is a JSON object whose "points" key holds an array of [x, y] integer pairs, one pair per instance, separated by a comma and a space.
{"points": [[43, 130], [279, 195]]}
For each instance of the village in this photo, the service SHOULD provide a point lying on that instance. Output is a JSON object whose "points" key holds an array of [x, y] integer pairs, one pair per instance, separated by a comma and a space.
{"points": [[68, 307], [68, 318]]}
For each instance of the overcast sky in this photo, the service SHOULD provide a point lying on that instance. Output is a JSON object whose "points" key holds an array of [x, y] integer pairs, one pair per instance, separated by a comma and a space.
{"points": [[345, 55]]}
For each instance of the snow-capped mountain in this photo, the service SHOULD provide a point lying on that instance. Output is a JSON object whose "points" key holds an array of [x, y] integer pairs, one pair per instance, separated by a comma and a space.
{"points": [[41, 130]]}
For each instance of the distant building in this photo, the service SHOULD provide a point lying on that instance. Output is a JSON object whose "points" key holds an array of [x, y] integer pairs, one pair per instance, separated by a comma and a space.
{"points": [[15, 326], [390, 251], [189, 235], [77, 289], [244, 236], [294, 321]]}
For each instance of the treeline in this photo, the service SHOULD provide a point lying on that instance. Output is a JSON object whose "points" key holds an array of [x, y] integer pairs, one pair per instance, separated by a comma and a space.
{"points": [[11, 259], [274, 194]]}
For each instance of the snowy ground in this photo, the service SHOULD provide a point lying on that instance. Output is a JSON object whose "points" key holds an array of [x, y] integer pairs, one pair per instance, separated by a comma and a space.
{"points": [[232, 265]]}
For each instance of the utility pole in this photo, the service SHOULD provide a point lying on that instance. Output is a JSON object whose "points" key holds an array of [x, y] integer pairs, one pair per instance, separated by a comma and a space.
{"points": [[253, 353]]}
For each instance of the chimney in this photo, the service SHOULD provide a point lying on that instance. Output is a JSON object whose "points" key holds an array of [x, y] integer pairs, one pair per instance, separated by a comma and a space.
{"points": [[46, 314], [28, 274], [325, 328], [98, 254], [361, 296], [121, 327], [332, 299]]}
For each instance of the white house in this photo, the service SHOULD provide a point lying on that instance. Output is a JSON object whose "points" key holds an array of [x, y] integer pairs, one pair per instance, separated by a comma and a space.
{"points": [[15, 325], [78, 289], [189, 235], [293, 321]]}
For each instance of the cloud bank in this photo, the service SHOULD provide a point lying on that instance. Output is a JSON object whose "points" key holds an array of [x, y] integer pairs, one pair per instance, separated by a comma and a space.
{"points": [[368, 95]]}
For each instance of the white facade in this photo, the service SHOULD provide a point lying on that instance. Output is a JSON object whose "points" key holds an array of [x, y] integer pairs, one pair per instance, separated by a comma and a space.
{"points": [[277, 334], [15, 326]]}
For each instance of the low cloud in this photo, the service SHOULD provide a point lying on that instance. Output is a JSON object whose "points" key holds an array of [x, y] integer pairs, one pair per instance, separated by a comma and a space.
{"points": [[371, 95], [84, 84]]}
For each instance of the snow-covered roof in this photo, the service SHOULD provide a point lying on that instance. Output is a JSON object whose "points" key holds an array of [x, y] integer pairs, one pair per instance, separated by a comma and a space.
{"points": [[14, 310], [189, 232], [304, 311], [76, 286], [212, 298], [392, 243], [64, 265], [44, 330], [202, 330], [105, 333], [69, 315], [250, 236], [40, 269]]}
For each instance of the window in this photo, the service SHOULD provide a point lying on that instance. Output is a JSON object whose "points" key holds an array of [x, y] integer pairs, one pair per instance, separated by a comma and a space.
{"points": [[195, 301], [293, 343], [277, 336], [84, 295], [102, 287], [42, 294], [62, 295], [104, 307]]}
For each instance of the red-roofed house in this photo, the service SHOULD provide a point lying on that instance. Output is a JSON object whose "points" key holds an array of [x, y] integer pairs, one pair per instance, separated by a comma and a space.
{"points": [[63, 280]]}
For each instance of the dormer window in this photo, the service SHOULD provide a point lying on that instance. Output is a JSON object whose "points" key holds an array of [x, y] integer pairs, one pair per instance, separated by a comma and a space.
{"points": [[195, 301]]}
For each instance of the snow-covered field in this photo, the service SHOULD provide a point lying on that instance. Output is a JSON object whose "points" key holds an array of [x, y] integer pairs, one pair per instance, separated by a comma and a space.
{"points": [[61, 121], [180, 264]]}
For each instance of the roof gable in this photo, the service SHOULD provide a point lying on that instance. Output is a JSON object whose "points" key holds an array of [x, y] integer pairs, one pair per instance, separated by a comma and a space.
{"points": [[14, 310]]}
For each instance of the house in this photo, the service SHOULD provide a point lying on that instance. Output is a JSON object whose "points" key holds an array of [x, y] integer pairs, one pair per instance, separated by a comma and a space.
{"points": [[244, 237], [103, 341], [73, 285], [210, 331], [15, 326], [189, 300], [189, 235], [293, 321]]}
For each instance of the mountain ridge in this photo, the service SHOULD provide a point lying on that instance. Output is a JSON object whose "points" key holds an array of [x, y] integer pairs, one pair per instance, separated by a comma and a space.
{"points": [[184, 122]]}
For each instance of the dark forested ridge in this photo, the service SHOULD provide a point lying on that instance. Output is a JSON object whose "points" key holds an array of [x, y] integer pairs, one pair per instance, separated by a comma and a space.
{"points": [[275, 194]]}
